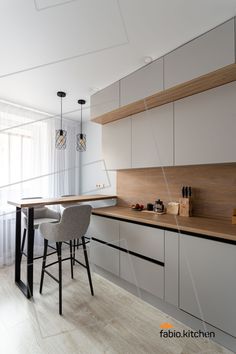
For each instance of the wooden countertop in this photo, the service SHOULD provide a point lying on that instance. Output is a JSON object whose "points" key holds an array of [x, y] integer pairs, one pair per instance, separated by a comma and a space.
{"points": [[30, 203], [209, 227]]}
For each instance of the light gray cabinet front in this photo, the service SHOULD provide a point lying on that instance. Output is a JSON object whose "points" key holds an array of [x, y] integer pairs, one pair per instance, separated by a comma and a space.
{"points": [[142, 83], [116, 144], [146, 241], [152, 137], [172, 267], [208, 281], [143, 274], [105, 100], [209, 52], [205, 127], [100, 254]]}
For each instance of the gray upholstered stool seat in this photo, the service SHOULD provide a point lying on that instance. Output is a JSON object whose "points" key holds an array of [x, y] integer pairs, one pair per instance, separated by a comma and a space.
{"points": [[73, 225]]}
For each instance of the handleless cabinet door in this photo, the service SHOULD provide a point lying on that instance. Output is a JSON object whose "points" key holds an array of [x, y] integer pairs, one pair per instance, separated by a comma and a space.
{"points": [[205, 127], [100, 254], [116, 144], [208, 281], [148, 242], [172, 267], [152, 137], [105, 100], [142, 83], [211, 51]]}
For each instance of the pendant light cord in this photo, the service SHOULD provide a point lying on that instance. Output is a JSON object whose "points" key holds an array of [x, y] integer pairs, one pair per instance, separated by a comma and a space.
{"points": [[61, 113], [81, 120]]}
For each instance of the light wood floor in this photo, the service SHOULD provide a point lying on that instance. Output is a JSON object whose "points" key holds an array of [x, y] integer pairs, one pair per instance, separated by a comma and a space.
{"points": [[113, 321]]}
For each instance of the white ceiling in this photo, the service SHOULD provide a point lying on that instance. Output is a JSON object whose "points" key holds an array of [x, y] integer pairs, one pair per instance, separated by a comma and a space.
{"points": [[76, 45]]}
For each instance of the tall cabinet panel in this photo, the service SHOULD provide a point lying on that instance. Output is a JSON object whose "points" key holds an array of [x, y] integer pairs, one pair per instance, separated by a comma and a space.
{"points": [[105, 100], [205, 127], [208, 281], [116, 144], [209, 52], [142, 83], [152, 137]]}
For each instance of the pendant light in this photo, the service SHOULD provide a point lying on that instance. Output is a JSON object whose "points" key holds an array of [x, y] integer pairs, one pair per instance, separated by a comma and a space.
{"points": [[81, 138], [60, 133]]}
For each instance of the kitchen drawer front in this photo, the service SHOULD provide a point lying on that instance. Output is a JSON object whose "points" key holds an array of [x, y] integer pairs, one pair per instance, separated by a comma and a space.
{"points": [[143, 274], [104, 257], [143, 240], [100, 254], [104, 229], [208, 281]]}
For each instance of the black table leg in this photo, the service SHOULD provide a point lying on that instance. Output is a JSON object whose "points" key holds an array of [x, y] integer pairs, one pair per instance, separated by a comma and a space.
{"points": [[30, 252], [27, 289], [18, 245]]}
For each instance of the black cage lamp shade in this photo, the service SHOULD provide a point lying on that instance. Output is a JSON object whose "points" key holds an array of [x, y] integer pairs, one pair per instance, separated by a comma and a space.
{"points": [[61, 135], [81, 138]]}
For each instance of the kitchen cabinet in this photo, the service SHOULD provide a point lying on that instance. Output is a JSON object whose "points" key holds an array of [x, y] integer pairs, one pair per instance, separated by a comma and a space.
{"points": [[143, 274], [142, 83], [209, 52], [152, 137], [100, 254], [105, 100], [141, 239], [116, 144], [208, 281], [148, 242], [172, 267], [205, 127]]}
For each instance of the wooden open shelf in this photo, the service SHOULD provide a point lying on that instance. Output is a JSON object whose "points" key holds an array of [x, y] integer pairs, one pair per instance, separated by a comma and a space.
{"points": [[200, 84]]}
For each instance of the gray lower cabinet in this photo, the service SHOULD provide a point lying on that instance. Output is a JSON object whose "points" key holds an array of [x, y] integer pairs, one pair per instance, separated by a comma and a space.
{"points": [[208, 281], [172, 267], [100, 254], [149, 242], [143, 274]]}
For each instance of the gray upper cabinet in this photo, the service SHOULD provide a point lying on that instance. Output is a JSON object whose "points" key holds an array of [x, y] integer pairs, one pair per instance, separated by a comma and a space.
{"points": [[205, 127], [105, 100], [207, 53], [142, 83], [116, 144], [152, 137]]}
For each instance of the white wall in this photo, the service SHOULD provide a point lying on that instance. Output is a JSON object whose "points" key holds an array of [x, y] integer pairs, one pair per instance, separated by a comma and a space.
{"points": [[92, 165]]}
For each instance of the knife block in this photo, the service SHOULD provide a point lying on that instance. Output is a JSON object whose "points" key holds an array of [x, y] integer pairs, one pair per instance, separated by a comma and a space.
{"points": [[185, 207]]}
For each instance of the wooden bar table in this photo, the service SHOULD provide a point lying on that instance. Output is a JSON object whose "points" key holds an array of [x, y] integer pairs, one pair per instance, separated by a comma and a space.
{"points": [[30, 204]]}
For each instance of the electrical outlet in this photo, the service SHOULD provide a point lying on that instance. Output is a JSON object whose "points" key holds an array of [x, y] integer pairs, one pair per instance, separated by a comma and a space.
{"points": [[100, 185]]}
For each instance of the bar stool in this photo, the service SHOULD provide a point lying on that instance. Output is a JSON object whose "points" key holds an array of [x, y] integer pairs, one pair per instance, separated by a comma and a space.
{"points": [[73, 225], [63, 206], [42, 214]]}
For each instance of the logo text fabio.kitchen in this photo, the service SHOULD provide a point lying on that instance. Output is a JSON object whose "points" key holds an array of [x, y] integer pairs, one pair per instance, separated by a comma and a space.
{"points": [[168, 331]]}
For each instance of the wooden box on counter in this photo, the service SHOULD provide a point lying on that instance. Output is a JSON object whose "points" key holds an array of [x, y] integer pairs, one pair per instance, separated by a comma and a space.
{"points": [[185, 207]]}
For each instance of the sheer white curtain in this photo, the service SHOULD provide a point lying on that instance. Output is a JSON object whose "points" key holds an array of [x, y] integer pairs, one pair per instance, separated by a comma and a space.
{"points": [[31, 166]]}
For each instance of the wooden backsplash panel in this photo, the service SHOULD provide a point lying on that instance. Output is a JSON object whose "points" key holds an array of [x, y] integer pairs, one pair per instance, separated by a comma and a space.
{"points": [[214, 187]]}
